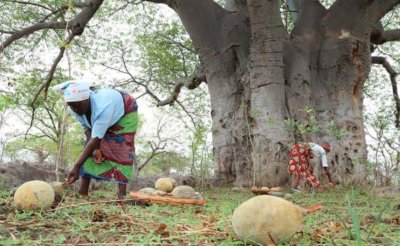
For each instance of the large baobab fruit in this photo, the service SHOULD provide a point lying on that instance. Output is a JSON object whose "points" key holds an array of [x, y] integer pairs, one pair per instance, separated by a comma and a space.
{"points": [[165, 184], [34, 195], [268, 219]]}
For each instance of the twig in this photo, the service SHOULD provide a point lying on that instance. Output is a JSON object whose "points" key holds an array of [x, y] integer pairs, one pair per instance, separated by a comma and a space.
{"points": [[50, 75], [272, 238], [393, 74], [89, 203]]}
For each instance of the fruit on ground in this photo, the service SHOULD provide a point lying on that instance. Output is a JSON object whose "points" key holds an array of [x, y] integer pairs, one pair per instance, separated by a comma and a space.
{"points": [[165, 184], [264, 217], [147, 191], [184, 191], [58, 187], [34, 195]]}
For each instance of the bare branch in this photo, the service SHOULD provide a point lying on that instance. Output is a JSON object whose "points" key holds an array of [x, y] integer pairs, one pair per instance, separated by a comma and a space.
{"points": [[364, 15], [177, 43], [191, 83], [188, 113], [378, 9], [392, 35], [50, 75], [145, 86], [381, 36], [6, 32], [385, 36], [393, 74], [154, 151]]}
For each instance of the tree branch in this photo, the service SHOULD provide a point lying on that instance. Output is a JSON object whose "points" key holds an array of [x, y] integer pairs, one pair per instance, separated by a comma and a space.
{"points": [[76, 25], [28, 3], [154, 152], [29, 30], [191, 83], [393, 74], [358, 17], [202, 20], [50, 75], [378, 9], [381, 36]]}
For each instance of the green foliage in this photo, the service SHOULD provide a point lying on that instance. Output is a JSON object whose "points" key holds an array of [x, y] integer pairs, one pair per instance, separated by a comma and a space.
{"points": [[164, 162], [167, 52], [201, 156], [5, 102], [311, 127], [44, 138], [354, 218]]}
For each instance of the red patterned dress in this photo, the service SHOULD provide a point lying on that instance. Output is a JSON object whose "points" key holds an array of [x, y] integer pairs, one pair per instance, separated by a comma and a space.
{"points": [[299, 165]]}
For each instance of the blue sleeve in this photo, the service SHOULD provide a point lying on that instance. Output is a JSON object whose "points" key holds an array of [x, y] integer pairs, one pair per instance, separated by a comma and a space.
{"points": [[103, 121]]}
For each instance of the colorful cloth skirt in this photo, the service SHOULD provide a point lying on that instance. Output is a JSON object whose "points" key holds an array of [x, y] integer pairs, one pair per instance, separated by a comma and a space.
{"points": [[299, 165], [118, 148]]}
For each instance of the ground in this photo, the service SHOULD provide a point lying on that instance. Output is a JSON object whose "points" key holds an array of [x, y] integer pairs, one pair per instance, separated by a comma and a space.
{"points": [[351, 217]]}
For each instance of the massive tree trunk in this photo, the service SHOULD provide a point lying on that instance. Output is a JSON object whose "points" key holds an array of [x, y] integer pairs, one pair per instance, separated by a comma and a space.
{"points": [[261, 79], [271, 88]]}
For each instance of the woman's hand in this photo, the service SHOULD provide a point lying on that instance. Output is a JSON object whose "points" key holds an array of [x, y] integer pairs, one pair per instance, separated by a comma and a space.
{"points": [[98, 156], [73, 175]]}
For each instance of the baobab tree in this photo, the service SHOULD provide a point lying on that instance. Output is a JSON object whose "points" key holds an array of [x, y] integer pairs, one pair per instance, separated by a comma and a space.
{"points": [[261, 75]]}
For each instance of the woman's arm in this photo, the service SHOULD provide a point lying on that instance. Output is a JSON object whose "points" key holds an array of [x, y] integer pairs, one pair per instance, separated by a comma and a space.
{"points": [[87, 152]]}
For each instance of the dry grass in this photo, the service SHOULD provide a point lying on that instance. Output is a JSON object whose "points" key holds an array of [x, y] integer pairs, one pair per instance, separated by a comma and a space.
{"points": [[85, 222]]}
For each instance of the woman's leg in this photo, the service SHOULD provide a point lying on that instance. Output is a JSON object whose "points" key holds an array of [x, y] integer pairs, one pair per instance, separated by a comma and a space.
{"points": [[84, 188], [296, 182], [121, 191]]}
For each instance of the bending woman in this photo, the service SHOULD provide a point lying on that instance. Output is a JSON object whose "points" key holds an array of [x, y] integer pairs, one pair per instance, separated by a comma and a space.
{"points": [[109, 120], [300, 167]]}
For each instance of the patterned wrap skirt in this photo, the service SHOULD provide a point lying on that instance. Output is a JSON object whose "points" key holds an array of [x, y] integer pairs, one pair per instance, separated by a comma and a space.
{"points": [[299, 165], [118, 148]]}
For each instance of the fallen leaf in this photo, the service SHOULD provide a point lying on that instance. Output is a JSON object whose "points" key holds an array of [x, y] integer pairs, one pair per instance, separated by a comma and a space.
{"points": [[161, 230]]}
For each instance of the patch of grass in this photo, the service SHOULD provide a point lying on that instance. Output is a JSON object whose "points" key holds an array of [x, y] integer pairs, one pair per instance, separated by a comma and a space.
{"points": [[351, 217]]}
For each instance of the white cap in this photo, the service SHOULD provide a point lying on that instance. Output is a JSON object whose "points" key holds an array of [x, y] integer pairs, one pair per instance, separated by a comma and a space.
{"points": [[74, 90]]}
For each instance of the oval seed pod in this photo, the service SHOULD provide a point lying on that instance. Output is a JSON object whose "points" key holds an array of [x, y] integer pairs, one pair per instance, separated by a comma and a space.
{"points": [[34, 195], [165, 184], [184, 191], [268, 219], [58, 187]]}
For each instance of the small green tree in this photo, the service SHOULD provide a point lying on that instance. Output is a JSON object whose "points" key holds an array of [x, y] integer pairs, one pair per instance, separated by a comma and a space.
{"points": [[46, 118]]}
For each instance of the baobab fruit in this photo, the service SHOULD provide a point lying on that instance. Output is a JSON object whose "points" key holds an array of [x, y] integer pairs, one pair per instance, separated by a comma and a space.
{"points": [[160, 193], [276, 193], [276, 189], [34, 195], [268, 219], [165, 184], [147, 191], [58, 187], [288, 196], [184, 191], [173, 182]]}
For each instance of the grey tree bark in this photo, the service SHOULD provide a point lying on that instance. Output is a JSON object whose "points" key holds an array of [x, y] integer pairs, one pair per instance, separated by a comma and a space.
{"points": [[259, 76]]}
